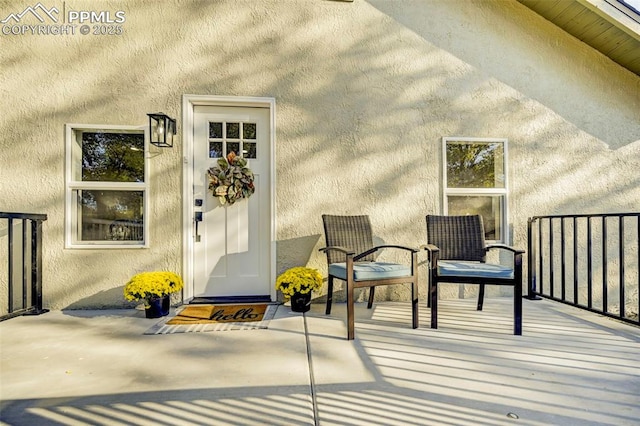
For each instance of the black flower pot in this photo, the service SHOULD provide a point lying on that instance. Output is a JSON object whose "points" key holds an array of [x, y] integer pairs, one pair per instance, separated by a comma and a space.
{"points": [[158, 307], [301, 302]]}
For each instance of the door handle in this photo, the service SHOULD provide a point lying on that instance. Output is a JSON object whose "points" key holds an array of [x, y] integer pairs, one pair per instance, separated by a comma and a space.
{"points": [[197, 217]]}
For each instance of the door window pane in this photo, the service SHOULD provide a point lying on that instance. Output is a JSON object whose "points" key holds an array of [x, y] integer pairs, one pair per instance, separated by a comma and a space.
{"points": [[215, 149], [249, 150], [249, 130], [215, 130], [233, 130], [233, 147]]}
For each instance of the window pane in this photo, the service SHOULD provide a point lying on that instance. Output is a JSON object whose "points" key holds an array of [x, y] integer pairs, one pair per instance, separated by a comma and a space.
{"points": [[475, 165], [488, 206], [215, 130], [215, 149], [110, 215], [112, 157], [249, 150], [249, 130], [233, 146], [233, 130]]}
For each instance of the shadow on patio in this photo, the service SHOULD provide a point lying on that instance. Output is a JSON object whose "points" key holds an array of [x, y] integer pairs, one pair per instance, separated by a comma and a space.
{"points": [[570, 367]]}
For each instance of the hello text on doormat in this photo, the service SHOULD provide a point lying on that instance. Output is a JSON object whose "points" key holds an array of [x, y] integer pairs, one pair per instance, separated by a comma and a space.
{"points": [[207, 314]]}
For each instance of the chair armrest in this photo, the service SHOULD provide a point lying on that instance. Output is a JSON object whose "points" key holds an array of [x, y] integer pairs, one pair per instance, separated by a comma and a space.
{"points": [[430, 248], [337, 248], [504, 247], [374, 249], [517, 256], [434, 254]]}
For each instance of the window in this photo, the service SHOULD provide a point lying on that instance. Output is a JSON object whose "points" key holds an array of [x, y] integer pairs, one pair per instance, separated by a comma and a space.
{"points": [[237, 137], [475, 182], [107, 187]]}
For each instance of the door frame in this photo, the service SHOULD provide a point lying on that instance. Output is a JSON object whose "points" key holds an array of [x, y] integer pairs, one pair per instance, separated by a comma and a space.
{"points": [[189, 102]]}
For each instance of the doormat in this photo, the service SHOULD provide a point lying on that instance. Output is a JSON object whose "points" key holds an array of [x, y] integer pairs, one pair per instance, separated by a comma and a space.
{"points": [[203, 318]]}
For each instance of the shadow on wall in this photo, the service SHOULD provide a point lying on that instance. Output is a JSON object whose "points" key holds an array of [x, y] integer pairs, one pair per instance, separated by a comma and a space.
{"points": [[113, 299], [534, 65], [103, 300], [295, 251]]}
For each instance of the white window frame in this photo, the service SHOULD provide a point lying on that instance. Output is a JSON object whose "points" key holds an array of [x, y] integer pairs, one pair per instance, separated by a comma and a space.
{"points": [[500, 192], [71, 185]]}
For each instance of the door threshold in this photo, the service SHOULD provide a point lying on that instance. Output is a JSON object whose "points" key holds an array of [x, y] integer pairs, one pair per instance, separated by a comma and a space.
{"points": [[229, 300]]}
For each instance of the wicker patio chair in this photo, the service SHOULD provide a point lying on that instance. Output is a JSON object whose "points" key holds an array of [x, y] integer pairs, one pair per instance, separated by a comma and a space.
{"points": [[351, 257], [457, 254]]}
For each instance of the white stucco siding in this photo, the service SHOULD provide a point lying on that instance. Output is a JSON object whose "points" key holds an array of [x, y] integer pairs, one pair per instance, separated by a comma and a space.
{"points": [[364, 90]]}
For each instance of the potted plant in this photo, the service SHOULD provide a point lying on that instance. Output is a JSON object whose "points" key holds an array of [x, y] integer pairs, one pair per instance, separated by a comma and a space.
{"points": [[155, 289], [297, 284]]}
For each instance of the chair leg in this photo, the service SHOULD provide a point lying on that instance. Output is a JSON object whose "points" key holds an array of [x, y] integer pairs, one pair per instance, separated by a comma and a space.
{"points": [[517, 309], [329, 294], [429, 292], [433, 297], [414, 302], [372, 294], [350, 311], [480, 297]]}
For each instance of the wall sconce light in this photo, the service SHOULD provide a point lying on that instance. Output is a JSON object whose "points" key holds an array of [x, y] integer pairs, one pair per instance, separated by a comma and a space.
{"points": [[162, 129]]}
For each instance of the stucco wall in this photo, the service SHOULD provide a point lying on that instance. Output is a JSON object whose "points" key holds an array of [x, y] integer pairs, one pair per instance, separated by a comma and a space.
{"points": [[365, 91]]}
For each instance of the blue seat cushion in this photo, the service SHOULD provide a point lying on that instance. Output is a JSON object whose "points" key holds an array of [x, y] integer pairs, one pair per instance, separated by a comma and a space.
{"points": [[459, 268], [364, 271]]}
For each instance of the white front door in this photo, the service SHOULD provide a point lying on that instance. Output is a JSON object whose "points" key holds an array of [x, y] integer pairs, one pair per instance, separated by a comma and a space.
{"points": [[232, 245]]}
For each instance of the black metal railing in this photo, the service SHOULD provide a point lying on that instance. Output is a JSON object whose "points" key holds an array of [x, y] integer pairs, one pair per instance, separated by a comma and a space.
{"points": [[591, 261], [22, 280]]}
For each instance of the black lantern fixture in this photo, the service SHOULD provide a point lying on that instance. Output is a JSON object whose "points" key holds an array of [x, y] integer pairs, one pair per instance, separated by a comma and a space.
{"points": [[162, 129]]}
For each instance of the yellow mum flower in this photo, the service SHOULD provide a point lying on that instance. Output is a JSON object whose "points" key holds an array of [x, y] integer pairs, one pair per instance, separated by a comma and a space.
{"points": [[298, 280], [149, 285]]}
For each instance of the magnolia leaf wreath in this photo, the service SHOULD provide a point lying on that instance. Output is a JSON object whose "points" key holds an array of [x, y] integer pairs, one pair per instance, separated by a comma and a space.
{"points": [[231, 180]]}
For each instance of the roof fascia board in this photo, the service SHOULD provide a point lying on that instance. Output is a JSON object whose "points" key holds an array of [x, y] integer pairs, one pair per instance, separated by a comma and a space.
{"points": [[614, 15]]}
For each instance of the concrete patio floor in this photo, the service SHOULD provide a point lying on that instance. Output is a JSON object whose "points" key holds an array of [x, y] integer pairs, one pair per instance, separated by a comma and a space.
{"points": [[570, 367]]}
